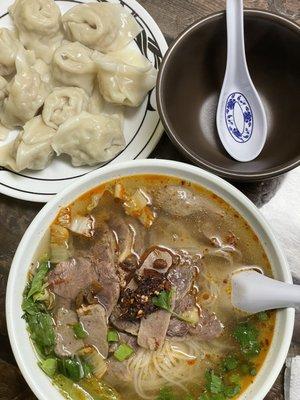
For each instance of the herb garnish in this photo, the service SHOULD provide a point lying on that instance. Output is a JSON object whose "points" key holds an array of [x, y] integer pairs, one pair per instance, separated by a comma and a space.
{"points": [[164, 301]]}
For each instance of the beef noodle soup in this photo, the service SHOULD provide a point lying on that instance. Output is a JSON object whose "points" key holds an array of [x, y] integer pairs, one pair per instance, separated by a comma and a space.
{"points": [[130, 298]]}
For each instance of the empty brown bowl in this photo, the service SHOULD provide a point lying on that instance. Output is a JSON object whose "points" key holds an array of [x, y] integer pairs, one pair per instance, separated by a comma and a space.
{"points": [[190, 81]]}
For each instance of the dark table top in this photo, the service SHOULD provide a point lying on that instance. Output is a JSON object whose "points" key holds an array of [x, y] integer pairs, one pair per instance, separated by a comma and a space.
{"points": [[172, 16]]}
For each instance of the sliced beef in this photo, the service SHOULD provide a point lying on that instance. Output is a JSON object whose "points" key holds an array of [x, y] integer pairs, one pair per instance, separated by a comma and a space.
{"points": [[182, 277], [69, 277], [153, 330], [66, 344], [186, 303], [131, 327], [209, 326], [62, 302], [182, 202], [177, 328], [117, 372], [94, 321], [101, 251]]}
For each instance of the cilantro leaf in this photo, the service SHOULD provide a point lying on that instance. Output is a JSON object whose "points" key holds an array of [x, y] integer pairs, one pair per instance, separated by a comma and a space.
{"points": [[38, 279], [246, 335], [214, 383], [163, 300]]}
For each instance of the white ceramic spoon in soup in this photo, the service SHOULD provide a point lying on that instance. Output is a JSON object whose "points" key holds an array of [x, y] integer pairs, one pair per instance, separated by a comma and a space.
{"points": [[253, 292]]}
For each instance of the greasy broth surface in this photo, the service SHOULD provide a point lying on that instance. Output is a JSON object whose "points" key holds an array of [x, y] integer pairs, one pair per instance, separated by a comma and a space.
{"points": [[183, 233]]}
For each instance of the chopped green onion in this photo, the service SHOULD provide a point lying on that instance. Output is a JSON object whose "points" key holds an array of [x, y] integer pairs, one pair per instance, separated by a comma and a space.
{"points": [[79, 331], [87, 369], [49, 366], [123, 352], [112, 336]]}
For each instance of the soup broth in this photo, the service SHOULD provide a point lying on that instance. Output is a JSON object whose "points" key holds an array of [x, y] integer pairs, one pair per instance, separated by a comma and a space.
{"points": [[132, 300]]}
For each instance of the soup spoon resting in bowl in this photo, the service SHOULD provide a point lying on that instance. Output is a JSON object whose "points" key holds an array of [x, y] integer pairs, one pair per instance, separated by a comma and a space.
{"points": [[241, 119], [254, 292]]}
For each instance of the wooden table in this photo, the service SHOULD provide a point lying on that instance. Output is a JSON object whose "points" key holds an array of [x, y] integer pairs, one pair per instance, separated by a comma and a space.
{"points": [[172, 16]]}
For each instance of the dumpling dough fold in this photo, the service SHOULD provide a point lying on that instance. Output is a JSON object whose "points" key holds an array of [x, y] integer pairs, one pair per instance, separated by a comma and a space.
{"points": [[125, 76], [9, 46], [27, 91], [100, 26], [38, 23], [72, 66], [63, 103], [31, 149], [90, 139]]}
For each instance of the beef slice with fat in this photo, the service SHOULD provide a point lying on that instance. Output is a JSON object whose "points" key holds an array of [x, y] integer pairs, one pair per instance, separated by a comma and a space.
{"points": [[71, 276], [94, 321], [66, 344]]}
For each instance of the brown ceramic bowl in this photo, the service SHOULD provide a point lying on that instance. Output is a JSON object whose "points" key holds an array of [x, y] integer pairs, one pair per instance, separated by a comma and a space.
{"points": [[190, 81]]}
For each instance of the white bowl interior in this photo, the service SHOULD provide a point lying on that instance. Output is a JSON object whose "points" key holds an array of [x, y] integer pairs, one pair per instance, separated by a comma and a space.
{"points": [[21, 345]]}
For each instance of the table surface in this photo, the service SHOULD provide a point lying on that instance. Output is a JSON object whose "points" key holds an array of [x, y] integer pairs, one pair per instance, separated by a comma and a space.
{"points": [[173, 16]]}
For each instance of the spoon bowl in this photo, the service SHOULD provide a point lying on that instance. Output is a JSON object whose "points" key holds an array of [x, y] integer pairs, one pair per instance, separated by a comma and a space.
{"points": [[241, 118], [253, 292]]}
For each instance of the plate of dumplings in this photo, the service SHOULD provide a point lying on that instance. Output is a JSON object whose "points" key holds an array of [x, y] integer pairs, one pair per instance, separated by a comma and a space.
{"points": [[77, 90]]}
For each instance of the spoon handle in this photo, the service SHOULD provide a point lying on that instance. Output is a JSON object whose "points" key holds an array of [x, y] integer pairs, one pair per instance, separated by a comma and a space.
{"points": [[254, 292], [236, 57]]}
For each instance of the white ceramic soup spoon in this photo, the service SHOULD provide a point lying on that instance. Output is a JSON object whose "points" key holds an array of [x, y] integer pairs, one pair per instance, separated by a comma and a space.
{"points": [[254, 292], [241, 118]]}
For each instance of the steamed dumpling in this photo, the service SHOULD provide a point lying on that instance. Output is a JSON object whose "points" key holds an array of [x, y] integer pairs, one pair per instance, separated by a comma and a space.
{"points": [[125, 76], [26, 92], [100, 26], [38, 23], [72, 66], [63, 103], [3, 94], [31, 149], [96, 102], [90, 139], [9, 46], [3, 90]]}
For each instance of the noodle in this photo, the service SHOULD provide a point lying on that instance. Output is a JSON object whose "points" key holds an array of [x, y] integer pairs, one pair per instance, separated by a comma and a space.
{"points": [[168, 366]]}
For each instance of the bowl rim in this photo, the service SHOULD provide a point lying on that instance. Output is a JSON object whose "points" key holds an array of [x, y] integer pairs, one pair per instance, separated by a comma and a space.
{"points": [[18, 335], [235, 176]]}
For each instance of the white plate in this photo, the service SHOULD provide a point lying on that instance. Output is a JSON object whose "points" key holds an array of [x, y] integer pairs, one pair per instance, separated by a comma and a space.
{"points": [[143, 128]]}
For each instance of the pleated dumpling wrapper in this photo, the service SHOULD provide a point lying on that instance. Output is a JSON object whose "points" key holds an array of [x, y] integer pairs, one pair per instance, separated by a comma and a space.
{"points": [[100, 26], [125, 76], [72, 65], [38, 23], [90, 139], [63, 103], [31, 149], [9, 46], [26, 92]]}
